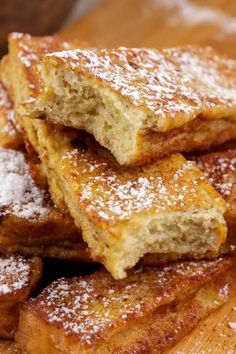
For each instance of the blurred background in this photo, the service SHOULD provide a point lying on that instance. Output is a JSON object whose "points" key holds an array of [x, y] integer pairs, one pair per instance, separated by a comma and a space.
{"points": [[111, 23]]}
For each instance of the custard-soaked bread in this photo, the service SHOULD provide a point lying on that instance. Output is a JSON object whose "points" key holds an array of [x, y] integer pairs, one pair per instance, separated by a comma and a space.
{"points": [[124, 213], [147, 312], [166, 207], [220, 169], [30, 224], [141, 104], [19, 277], [9, 135]]}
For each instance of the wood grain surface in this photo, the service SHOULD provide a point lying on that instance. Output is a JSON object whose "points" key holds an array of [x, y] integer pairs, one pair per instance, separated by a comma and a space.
{"points": [[159, 23], [166, 23]]}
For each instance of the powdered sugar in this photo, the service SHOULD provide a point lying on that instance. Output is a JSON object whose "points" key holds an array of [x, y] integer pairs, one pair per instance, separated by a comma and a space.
{"points": [[31, 49], [188, 13], [19, 194], [93, 306], [232, 325], [114, 193], [220, 169], [14, 273], [4, 100], [177, 83], [8, 123]]}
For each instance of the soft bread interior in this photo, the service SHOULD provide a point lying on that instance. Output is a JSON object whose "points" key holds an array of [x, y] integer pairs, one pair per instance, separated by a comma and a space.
{"points": [[82, 103]]}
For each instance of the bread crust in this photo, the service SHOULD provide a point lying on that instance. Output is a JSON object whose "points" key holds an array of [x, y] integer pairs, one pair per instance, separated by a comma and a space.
{"points": [[10, 137], [141, 104], [138, 314], [19, 279], [220, 169], [30, 224]]}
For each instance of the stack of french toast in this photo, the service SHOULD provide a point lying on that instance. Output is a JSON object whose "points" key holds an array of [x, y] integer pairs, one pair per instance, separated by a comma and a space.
{"points": [[119, 163]]}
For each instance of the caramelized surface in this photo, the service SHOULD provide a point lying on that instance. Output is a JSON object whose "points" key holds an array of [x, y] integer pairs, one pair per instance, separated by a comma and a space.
{"points": [[111, 194], [173, 85], [31, 49], [30, 224], [9, 136], [220, 169], [97, 313], [20, 195], [19, 277]]}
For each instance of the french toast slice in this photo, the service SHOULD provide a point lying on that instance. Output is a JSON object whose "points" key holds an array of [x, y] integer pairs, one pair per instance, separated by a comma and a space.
{"points": [[124, 213], [140, 103], [147, 312], [220, 169], [30, 224], [10, 138], [19, 277]]}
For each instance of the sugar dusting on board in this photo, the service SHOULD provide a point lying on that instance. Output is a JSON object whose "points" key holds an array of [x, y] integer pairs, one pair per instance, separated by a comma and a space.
{"points": [[189, 13], [19, 194], [14, 273]]}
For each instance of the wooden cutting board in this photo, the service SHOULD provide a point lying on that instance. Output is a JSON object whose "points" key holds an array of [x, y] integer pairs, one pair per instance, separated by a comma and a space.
{"points": [[165, 23]]}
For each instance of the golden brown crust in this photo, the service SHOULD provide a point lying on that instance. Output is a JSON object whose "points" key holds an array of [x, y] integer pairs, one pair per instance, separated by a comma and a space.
{"points": [[10, 138], [175, 85], [110, 194], [32, 48], [36, 167], [19, 278], [97, 313], [71, 250], [176, 322], [220, 169], [29, 222], [186, 97], [196, 135]]}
